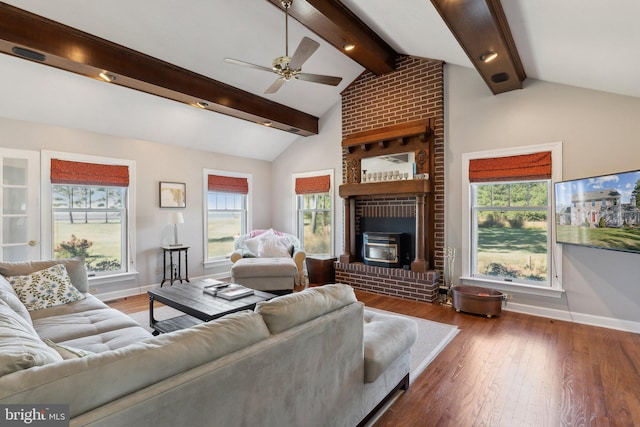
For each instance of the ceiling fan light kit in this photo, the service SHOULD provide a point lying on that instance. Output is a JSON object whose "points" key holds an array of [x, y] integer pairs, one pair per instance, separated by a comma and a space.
{"points": [[291, 67]]}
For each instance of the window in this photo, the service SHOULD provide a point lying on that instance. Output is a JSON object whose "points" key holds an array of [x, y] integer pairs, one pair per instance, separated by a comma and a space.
{"points": [[508, 222], [314, 212], [90, 222], [227, 212], [511, 230], [89, 210]]}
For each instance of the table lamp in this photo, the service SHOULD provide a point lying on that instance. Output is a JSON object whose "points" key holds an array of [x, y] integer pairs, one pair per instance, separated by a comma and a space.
{"points": [[176, 218]]}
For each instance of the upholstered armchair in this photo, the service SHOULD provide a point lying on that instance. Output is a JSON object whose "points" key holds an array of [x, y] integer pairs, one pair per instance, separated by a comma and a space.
{"points": [[270, 244]]}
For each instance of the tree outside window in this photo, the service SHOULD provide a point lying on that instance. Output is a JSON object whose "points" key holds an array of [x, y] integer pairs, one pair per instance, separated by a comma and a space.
{"points": [[314, 211], [90, 222], [511, 231], [314, 222]]}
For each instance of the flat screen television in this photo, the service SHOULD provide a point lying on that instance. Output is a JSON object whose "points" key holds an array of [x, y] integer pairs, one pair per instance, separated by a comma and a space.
{"points": [[600, 212]]}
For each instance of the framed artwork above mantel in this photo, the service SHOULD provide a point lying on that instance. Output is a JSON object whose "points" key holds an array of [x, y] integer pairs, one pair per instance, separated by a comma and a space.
{"points": [[173, 194]]}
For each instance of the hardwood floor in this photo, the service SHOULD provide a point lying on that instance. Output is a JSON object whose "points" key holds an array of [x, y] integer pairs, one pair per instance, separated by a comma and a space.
{"points": [[513, 370]]}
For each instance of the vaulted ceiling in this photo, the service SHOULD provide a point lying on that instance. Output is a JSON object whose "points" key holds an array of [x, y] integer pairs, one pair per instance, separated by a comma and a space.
{"points": [[586, 43]]}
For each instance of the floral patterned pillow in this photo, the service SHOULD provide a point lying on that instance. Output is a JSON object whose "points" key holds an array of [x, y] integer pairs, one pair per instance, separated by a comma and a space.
{"points": [[45, 288]]}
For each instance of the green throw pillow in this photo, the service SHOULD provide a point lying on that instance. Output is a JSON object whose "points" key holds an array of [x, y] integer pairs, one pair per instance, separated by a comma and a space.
{"points": [[45, 288]]}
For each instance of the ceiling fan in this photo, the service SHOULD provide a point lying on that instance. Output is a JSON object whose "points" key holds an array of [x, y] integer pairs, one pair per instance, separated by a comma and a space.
{"points": [[291, 67]]}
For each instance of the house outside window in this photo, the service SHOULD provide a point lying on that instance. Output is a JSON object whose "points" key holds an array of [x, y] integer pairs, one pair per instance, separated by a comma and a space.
{"points": [[314, 212], [226, 212], [509, 225], [90, 213]]}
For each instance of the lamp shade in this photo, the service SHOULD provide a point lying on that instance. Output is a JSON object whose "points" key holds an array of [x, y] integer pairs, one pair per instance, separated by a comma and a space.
{"points": [[176, 218]]}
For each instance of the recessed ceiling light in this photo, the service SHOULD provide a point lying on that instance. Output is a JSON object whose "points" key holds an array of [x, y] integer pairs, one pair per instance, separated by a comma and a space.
{"points": [[267, 124], [107, 77], [348, 46], [488, 56], [201, 104]]}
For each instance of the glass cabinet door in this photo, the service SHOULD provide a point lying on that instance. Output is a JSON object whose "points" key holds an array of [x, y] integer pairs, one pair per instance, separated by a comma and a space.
{"points": [[20, 212]]}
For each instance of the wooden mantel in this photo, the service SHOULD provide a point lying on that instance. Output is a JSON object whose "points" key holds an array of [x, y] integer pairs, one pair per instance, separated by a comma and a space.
{"points": [[410, 187], [416, 136], [383, 136]]}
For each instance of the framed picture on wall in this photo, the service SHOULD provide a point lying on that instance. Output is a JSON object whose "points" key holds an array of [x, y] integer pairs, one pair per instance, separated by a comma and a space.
{"points": [[173, 194]]}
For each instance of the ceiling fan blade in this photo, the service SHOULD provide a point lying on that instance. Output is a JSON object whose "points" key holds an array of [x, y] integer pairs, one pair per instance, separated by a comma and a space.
{"points": [[275, 86], [247, 64], [317, 78], [303, 52]]}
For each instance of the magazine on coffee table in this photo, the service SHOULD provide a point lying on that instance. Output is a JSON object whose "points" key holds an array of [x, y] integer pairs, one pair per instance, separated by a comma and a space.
{"points": [[213, 286], [234, 291]]}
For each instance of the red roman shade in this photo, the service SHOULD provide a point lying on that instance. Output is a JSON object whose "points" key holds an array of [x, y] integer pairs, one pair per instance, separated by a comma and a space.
{"points": [[228, 184], [67, 172], [511, 168], [313, 184]]}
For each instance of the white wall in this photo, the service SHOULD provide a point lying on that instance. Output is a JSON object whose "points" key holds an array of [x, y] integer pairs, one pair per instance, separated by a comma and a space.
{"points": [[318, 152], [600, 134], [154, 162]]}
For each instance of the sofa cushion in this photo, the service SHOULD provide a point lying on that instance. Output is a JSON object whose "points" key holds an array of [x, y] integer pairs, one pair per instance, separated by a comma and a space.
{"points": [[20, 346], [75, 268], [45, 288], [287, 311], [386, 337], [6, 286], [12, 300], [89, 325], [264, 267]]}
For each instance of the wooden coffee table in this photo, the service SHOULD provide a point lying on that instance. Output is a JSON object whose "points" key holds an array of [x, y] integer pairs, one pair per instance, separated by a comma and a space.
{"points": [[198, 307]]}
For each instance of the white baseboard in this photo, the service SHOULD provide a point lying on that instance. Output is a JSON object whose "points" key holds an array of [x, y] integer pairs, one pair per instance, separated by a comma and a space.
{"points": [[141, 290], [129, 292], [585, 319]]}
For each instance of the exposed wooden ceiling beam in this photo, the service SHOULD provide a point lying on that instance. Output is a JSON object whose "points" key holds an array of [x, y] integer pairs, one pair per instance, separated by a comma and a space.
{"points": [[70, 49], [480, 27], [332, 21]]}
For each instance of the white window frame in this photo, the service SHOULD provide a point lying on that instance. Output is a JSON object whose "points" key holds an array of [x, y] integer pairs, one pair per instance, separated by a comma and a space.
{"points": [[555, 265], [296, 218], [211, 262], [130, 269]]}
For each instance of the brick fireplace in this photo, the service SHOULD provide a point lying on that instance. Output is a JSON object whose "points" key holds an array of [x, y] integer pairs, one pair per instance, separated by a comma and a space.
{"points": [[393, 113], [398, 282]]}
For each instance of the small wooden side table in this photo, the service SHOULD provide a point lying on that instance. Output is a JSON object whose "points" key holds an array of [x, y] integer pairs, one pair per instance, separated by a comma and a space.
{"points": [[321, 269], [175, 275]]}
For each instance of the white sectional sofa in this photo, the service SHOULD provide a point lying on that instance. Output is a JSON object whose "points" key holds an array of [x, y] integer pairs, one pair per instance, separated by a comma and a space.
{"points": [[310, 358]]}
